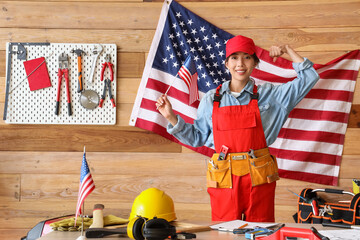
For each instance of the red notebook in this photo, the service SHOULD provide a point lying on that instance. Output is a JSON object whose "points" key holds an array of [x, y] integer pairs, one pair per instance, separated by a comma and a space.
{"points": [[40, 77]]}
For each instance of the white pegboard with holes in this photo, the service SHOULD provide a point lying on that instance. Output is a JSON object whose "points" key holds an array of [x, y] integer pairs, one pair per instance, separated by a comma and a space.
{"points": [[38, 107]]}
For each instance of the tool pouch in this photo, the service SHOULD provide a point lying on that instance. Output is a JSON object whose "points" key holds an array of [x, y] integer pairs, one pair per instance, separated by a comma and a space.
{"points": [[263, 170], [219, 173], [336, 212]]}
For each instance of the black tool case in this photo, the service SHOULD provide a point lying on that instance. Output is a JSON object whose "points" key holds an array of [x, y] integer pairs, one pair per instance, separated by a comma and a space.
{"points": [[313, 207]]}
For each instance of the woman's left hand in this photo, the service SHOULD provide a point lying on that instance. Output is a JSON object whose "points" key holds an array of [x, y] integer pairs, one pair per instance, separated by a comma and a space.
{"points": [[277, 51]]}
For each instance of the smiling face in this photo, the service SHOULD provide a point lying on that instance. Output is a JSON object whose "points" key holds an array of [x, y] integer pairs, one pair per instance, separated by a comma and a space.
{"points": [[240, 65]]}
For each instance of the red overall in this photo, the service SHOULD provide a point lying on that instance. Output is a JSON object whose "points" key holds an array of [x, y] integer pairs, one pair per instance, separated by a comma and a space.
{"points": [[240, 129]]}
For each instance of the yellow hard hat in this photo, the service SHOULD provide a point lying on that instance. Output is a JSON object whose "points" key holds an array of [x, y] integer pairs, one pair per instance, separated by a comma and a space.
{"points": [[151, 203]]}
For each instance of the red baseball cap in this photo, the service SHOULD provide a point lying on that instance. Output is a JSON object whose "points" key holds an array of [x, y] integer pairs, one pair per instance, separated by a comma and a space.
{"points": [[240, 44]]}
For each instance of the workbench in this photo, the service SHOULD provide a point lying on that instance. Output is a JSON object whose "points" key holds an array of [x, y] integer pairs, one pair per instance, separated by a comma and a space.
{"points": [[208, 235]]}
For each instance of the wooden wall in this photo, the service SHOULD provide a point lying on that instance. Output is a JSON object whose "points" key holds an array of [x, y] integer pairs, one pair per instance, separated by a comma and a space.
{"points": [[40, 165]]}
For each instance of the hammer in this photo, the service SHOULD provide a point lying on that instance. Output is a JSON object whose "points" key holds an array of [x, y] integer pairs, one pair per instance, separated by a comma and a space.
{"points": [[78, 53]]}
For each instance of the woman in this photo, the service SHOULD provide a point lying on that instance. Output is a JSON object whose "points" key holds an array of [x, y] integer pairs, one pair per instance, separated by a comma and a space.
{"points": [[240, 119]]}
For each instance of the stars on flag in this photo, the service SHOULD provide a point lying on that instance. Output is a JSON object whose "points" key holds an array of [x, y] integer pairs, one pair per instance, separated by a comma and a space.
{"points": [[185, 36]]}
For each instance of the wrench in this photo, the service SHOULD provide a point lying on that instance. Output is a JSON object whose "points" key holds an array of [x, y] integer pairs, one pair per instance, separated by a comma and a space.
{"points": [[96, 52], [251, 153]]}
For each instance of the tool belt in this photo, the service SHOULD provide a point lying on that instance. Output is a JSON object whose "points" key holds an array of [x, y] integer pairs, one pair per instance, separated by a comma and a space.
{"points": [[313, 208], [260, 164]]}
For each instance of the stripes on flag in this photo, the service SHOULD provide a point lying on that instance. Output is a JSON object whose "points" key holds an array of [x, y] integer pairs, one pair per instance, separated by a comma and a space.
{"points": [[310, 144], [86, 186], [188, 73]]}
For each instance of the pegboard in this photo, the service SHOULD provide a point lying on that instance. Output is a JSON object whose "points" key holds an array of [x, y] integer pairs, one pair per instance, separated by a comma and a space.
{"points": [[38, 107]]}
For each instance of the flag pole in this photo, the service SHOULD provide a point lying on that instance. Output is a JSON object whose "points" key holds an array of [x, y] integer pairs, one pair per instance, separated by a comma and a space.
{"points": [[169, 87], [83, 207], [82, 237], [171, 84]]}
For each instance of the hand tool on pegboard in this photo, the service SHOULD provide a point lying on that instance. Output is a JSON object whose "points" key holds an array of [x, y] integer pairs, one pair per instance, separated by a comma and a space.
{"points": [[63, 71], [78, 53], [96, 52], [107, 82], [89, 99], [107, 86], [21, 55]]}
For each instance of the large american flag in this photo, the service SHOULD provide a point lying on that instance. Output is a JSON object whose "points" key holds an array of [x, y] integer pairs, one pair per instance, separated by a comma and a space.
{"points": [[310, 144], [86, 185]]}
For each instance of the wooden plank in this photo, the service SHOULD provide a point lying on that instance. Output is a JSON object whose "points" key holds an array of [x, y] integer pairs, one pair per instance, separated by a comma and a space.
{"points": [[130, 64], [354, 117], [2, 67], [224, 1], [233, 15], [303, 39], [185, 189], [13, 234], [352, 142], [283, 213], [127, 89], [73, 138], [91, 16], [123, 113], [350, 167], [93, 0], [356, 99], [281, 14], [126, 40], [127, 163], [306, 39], [10, 187]]}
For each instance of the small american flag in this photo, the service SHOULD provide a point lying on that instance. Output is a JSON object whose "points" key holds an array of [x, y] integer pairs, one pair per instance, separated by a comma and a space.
{"points": [[86, 185], [188, 73], [310, 144]]}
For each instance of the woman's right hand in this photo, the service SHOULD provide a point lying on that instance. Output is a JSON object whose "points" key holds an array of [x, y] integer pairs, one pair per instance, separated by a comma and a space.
{"points": [[164, 106]]}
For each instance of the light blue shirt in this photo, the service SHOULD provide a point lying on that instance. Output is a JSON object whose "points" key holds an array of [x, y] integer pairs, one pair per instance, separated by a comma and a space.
{"points": [[275, 104]]}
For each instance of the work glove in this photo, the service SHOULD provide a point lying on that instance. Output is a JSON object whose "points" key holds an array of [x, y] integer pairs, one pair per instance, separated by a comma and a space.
{"points": [[114, 220], [68, 224]]}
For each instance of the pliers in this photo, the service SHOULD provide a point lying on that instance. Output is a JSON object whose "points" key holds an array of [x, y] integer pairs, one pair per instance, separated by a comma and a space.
{"points": [[107, 64], [63, 70], [107, 82], [107, 85]]}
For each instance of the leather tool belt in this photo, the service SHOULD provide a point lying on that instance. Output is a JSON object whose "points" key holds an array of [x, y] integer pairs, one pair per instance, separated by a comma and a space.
{"points": [[259, 163]]}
